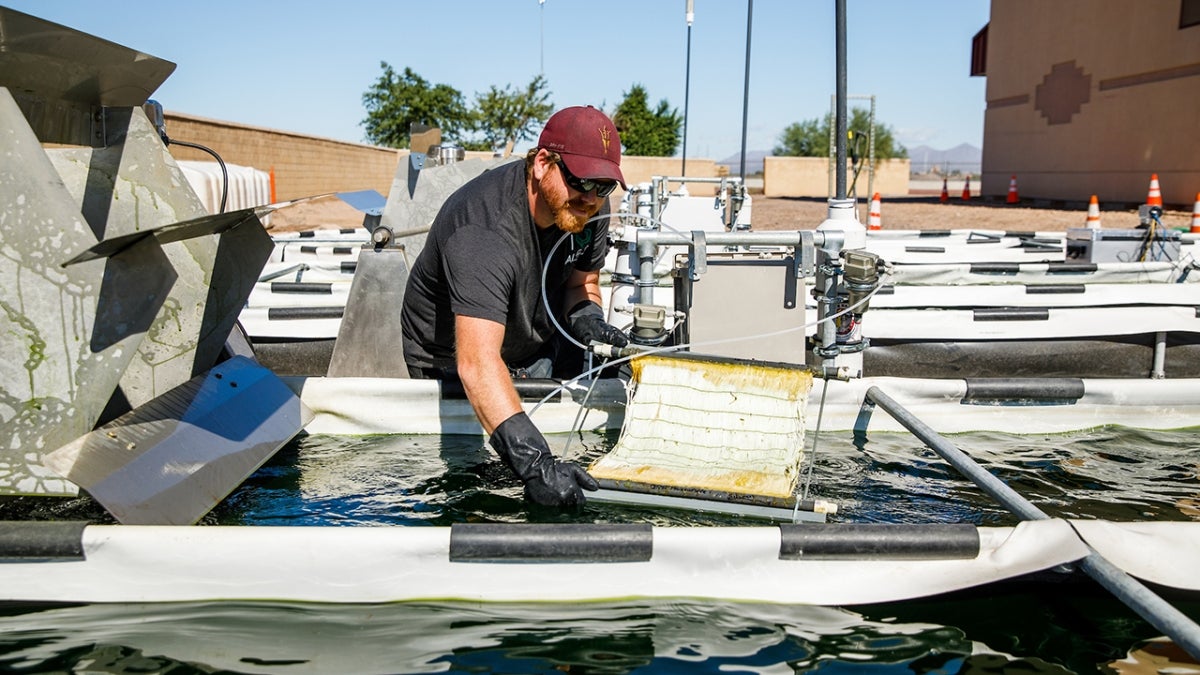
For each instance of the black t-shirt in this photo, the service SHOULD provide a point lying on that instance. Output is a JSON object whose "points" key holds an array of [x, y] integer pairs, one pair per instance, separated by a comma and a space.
{"points": [[484, 258]]}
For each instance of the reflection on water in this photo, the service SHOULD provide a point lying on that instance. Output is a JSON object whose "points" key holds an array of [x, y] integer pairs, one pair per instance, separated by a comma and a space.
{"points": [[1113, 474], [1116, 474], [658, 637]]}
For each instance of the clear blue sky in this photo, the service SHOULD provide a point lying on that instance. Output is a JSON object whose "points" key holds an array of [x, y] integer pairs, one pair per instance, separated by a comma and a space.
{"points": [[303, 65]]}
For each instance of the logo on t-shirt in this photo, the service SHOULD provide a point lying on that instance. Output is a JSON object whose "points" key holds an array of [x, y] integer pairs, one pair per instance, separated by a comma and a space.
{"points": [[579, 241]]}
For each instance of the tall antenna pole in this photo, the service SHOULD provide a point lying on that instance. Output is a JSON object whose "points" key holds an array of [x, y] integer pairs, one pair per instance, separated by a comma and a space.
{"points": [[746, 87], [840, 49], [542, 37], [687, 83]]}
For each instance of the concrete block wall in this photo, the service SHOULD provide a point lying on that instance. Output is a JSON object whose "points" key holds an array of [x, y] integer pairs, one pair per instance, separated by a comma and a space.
{"points": [[809, 177], [304, 166], [641, 169]]}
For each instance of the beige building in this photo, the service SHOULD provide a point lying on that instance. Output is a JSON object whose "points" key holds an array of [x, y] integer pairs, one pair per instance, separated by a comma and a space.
{"points": [[1091, 97]]}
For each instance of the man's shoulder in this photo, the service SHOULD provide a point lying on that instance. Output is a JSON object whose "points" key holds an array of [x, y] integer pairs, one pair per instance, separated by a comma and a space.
{"points": [[502, 179], [481, 195]]}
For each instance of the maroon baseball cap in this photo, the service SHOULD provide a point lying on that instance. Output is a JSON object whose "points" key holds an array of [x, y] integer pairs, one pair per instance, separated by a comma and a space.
{"points": [[588, 142]]}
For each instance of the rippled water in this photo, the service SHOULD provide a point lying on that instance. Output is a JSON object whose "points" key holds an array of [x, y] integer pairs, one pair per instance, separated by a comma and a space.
{"points": [[1109, 473], [1074, 626]]}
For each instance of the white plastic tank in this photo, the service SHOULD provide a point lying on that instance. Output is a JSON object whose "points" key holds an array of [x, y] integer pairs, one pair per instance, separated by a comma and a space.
{"points": [[248, 186]]}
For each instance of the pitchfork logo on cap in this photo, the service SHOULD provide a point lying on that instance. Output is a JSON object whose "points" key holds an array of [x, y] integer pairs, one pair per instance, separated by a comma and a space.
{"points": [[604, 138]]}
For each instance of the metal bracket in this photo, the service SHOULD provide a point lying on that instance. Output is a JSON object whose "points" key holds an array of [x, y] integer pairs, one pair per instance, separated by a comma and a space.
{"points": [[805, 256], [698, 261]]}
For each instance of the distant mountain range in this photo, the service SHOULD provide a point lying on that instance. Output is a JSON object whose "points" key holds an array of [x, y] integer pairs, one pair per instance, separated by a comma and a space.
{"points": [[963, 157], [754, 161]]}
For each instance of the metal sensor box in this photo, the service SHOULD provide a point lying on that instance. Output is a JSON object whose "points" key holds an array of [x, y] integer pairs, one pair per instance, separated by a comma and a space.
{"points": [[1140, 245]]}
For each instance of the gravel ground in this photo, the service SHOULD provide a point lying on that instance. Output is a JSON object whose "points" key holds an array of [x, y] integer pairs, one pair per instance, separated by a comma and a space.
{"points": [[790, 213]]}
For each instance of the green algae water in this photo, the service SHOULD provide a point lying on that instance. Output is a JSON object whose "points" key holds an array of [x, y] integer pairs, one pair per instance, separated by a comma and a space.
{"points": [[1067, 626]]}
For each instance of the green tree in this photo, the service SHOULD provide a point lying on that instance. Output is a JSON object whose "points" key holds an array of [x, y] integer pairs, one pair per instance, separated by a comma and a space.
{"points": [[503, 115], [647, 133], [394, 102], [810, 138]]}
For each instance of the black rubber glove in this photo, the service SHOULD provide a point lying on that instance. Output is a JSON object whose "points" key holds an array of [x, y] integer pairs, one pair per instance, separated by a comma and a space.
{"points": [[586, 322], [548, 480]]}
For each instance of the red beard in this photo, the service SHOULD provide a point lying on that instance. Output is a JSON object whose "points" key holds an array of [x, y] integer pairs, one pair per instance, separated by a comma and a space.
{"points": [[556, 197]]}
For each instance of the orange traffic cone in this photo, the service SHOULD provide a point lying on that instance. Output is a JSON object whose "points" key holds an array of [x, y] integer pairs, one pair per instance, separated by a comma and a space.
{"points": [[1013, 197], [966, 195], [1196, 215], [945, 192], [1154, 198], [1093, 218], [873, 220]]}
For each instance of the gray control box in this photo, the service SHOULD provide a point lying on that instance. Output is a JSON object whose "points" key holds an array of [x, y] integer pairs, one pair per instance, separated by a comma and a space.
{"points": [[1140, 245]]}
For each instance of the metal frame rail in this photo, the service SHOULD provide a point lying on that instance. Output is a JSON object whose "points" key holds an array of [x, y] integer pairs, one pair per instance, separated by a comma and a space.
{"points": [[1155, 610]]}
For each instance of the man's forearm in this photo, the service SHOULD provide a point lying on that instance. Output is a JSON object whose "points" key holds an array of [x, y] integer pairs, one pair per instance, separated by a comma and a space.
{"points": [[484, 375], [491, 392], [582, 286]]}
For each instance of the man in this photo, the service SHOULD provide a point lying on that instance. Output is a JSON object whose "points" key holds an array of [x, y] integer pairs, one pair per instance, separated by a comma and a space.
{"points": [[473, 306]]}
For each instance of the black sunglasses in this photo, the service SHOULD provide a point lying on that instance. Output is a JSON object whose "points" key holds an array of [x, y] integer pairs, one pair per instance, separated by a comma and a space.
{"points": [[602, 188]]}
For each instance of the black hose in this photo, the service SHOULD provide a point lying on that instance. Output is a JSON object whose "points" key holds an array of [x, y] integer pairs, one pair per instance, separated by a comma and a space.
{"points": [[224, 172]]}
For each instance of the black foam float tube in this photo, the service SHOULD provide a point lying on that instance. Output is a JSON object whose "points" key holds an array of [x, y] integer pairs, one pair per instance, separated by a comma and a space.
{"points": [[50, 541], [878, 541], [317, 287], [995, 268], [301, 313], [1156, 611], [1010, 314], [1070, 268], [996, 389], [528, 389], [551, 542], [1053, 289]]}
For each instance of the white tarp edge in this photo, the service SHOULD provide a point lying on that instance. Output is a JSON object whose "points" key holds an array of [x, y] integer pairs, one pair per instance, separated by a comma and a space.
{"points": [[393, 564], [356, 406], [1161, 553], [370, 405]]}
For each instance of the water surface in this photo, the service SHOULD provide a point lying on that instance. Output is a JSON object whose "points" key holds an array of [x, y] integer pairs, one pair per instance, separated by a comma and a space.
{"points": [[1065, 626]]}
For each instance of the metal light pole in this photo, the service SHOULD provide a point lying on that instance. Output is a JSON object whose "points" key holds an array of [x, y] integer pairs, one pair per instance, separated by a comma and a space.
{"points": [[746, 88], [687, 83], [542, 37], [840, 50]]}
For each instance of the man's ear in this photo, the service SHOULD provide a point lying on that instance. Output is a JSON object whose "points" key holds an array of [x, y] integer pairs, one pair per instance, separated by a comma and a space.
{"points": [[541, 165]]}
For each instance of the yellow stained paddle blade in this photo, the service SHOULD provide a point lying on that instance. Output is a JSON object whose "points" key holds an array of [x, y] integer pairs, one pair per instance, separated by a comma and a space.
{"points": [[719, 425]]}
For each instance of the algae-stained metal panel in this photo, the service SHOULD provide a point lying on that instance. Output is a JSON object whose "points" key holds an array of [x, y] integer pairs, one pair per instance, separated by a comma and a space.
{"points": [[58, 370], [418, 194], [136, 188], [369, 341], [714, 425], [170, 461], [61, 77]]}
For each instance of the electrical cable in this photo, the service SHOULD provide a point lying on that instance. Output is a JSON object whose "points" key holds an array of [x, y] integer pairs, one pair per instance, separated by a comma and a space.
{"points": [[673, 348], [550, 256], [581, 416], [577, 424], [221, 162]]}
